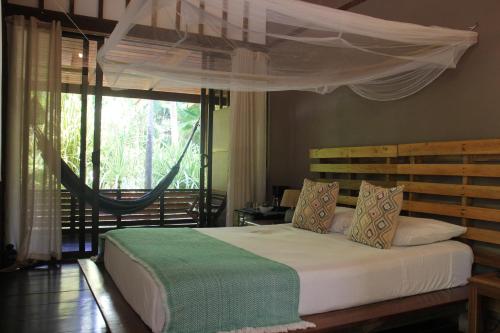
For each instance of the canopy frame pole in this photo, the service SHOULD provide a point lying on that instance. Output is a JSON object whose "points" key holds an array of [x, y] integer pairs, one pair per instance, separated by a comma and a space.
{"points": [[203, 156], [210, 130], [83, 146], [96, 154]]}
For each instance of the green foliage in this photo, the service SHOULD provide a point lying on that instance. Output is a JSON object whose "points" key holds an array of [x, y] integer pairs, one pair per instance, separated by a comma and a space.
{"points": [[71, 105], [124, 128], [70, 130]]}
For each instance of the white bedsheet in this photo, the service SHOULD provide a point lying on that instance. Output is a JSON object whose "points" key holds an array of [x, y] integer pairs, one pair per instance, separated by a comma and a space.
{"points": [[334, 272]]}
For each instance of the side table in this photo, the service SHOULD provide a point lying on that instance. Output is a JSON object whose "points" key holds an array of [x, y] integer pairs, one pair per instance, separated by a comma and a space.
{"points": [[483, 285]]}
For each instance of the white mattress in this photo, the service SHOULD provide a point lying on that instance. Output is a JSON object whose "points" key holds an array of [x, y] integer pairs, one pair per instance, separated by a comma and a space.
{"points": [[334, 273]]}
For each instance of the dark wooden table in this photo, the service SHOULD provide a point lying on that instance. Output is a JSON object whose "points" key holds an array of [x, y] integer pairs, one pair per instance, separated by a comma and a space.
{"points": [[252, 216], [483, 285]]}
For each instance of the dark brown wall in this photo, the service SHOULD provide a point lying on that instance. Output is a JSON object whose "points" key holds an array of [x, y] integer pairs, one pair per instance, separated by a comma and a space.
{"points": [[464, 103]]}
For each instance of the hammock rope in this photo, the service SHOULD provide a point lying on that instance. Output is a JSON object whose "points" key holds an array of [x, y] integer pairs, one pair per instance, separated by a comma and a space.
{"points": [[114, 206]]}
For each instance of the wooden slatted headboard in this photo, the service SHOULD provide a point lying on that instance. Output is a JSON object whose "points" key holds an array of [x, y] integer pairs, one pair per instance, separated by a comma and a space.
{"points": [[458, 181]]}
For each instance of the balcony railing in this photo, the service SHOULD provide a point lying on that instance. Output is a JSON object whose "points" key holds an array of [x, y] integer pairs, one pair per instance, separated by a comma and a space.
{"points": [[169, 210]]}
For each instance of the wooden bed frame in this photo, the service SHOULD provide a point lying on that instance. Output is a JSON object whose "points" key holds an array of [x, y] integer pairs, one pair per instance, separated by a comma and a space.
{"points": [[121, 318], [457, 181]]}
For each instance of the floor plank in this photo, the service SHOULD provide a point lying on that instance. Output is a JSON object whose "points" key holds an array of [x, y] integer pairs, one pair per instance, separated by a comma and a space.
{"points": [[39, 299], [48, 299], [119, 316]]}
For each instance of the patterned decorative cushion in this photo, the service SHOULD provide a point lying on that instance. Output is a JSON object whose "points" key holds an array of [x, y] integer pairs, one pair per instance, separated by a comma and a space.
{"points": [[376, 220], [316, 206]]}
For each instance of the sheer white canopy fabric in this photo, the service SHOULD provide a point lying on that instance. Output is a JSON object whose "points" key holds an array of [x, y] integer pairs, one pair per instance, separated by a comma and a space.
{"points": [[247, 144], [191, 43]]}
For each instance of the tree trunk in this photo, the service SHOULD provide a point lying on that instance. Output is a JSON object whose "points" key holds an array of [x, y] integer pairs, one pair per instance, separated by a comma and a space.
{"points": [[174, 125]]}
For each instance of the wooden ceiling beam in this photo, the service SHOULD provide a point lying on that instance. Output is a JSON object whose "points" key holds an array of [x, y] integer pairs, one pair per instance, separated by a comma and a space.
{"points": [[334, 4], [346, 6]]}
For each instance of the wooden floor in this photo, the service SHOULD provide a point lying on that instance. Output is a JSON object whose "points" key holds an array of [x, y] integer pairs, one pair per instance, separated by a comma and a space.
{"points": [[58, 299], [52, 300]]}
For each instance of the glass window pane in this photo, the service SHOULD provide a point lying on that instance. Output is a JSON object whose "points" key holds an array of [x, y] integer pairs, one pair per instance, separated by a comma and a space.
{"points": [[142, 139], [71, 105]]}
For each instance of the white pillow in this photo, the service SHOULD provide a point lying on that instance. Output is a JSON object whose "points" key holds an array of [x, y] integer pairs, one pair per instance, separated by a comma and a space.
{"points": [[420, 231], [342, 219], [411, 230]]}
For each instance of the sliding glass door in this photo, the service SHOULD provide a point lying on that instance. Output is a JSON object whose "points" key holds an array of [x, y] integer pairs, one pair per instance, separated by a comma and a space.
{"points": [[121, 143], [80, 118], [214, 142]]}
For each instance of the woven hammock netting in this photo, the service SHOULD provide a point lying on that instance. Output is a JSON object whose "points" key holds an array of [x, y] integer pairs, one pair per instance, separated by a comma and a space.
{"points": [[272, 45]]}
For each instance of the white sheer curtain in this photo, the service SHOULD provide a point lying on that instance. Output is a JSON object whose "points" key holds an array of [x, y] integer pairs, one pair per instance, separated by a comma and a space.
{"points": [[34, 104], [247, 151]]}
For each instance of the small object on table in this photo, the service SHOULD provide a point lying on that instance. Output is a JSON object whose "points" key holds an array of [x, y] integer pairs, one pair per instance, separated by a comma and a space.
{"points": [[483, 285], [290, 199], [265, 209]]}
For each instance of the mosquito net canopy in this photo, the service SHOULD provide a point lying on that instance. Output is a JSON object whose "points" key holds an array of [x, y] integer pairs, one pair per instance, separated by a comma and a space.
{"points": [[297, 46]]}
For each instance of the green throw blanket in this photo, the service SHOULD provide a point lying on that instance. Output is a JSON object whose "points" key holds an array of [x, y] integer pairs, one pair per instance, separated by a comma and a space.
{"points": [[211, 285]]}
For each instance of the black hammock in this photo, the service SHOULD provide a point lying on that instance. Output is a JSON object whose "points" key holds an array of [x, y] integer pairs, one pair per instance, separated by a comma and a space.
{"points": [[114, 206]]}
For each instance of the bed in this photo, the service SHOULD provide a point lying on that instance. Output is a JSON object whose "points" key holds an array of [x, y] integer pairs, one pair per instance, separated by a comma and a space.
{"points": [[367, 275], [447, 180]]}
